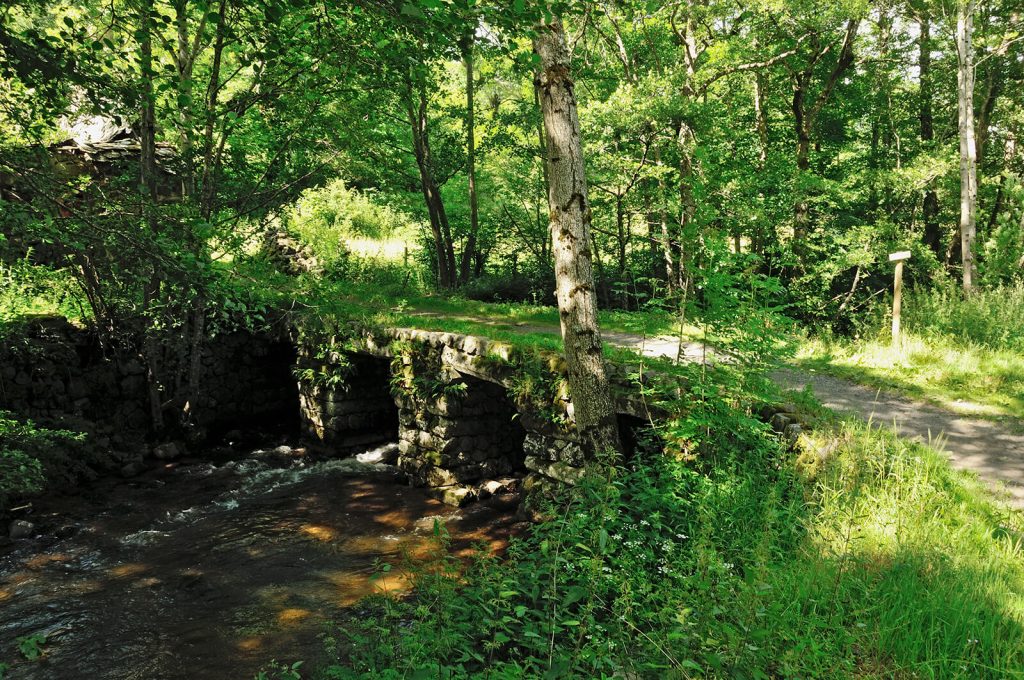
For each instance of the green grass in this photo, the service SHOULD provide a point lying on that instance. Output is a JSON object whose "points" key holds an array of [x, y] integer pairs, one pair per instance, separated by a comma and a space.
{"points": [[962, 376], [927, 570], [863, 556], [653, 322], [517, 324], [989, 317], [963, 353]]}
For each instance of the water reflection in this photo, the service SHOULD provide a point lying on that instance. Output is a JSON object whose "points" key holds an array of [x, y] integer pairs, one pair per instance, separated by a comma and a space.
{"points": [[210, 571]]}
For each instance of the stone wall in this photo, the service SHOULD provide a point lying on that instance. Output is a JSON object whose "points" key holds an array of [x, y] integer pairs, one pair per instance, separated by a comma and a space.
{"points": [[351, 412], [464, 422], [467, 435], [57, 373]]}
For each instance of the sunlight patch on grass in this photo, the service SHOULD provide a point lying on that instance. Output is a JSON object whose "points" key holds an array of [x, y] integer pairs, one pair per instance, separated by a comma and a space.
{"points": [[921, 564], [967, 378]]}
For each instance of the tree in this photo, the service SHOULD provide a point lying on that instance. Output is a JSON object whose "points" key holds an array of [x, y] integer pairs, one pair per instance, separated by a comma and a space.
{"points": [[572, 245], [930, 205], [968, 146], [807, 108], [469, 252]]}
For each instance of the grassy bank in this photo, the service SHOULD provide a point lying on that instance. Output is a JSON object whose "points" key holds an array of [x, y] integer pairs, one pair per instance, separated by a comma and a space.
{"points": [[720, 554], [960, 376], [966, 354]]}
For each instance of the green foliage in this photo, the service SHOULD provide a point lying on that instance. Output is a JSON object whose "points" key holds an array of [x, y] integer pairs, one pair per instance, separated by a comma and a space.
{"points": [[990, 317], [726, 560], [1004, 250], [31, 646], [33, 457], [280, 671], [331, 366], [324, 216], [416, 369], [331, 218], [27, 290], [501, 288]]}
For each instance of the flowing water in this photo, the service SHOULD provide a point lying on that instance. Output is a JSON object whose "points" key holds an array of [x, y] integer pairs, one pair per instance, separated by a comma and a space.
{"points": [[210, 570]]}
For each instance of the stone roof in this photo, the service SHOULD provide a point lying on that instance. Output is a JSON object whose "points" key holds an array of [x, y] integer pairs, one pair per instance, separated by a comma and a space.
{"points": [[101, 139]]}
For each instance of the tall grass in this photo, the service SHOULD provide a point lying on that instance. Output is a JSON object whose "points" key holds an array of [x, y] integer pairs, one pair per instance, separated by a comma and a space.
{"points": [[966, 353], [993, 317]]}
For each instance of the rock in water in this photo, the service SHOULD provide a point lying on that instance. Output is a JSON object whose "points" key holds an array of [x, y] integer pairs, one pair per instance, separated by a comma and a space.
{"points": [[22, 529], [133, 469], [168, 451]]}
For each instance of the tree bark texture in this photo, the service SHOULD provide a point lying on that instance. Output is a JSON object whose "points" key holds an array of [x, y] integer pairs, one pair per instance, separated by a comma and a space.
{"points": [[968, 147], [469, 252], [416, 108], [572, 246]]}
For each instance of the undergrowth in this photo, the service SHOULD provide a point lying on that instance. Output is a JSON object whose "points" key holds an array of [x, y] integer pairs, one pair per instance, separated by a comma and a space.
{"points": [[958, 374], [34, 457], [965, 353], [862, 556]]}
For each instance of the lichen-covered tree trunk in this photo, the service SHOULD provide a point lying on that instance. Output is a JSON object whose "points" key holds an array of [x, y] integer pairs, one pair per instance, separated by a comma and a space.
{"points": [[470, 251], [968, 148], [572, 247], [930, 206]]}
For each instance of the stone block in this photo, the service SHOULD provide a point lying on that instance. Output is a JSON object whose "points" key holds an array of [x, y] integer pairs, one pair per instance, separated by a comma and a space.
{"points": [[558, 471], [457, 496], [19, 528], [167, 451], [780, 421]]}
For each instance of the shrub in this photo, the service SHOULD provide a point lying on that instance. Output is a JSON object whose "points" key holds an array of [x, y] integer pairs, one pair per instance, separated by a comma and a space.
{"points": [[33, 457], [325, 217], [500, 288], [989, 316]]}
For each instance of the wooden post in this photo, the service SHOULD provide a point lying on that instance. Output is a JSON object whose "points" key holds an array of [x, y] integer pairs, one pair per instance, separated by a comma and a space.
{"points": [[897, 292]]}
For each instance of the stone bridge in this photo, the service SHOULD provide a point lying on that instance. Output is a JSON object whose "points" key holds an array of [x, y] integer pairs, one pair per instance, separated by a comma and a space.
{"points": [[466, 410]]}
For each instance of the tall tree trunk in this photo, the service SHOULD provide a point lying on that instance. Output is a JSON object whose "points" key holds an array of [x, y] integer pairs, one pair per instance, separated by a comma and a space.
{"points": [[761, 119], [572, 245], [930, 206], [207, 197], [993, 88], [621, 238], [184, 60], [149, 193], [416, 108], [665, 239], [968, 148], [880, 113], [801, 207], [469, 253], [805, 115]]}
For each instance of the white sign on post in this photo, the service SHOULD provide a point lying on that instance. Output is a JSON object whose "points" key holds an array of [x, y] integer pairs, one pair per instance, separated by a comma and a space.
{"points": [[897, 292]]}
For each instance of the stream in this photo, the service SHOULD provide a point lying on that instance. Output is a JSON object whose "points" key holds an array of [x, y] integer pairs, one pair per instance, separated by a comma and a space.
{"points": [[212, 568]]}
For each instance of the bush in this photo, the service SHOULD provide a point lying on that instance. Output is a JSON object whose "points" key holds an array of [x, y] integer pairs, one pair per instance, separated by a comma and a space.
{"points": [[718, 554], [33, 457], [501, 288], [324, 218], [993, 317], [643, 570]]}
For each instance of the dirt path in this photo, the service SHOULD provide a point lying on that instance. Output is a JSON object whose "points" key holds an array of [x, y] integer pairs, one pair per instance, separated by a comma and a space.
{"points": [[993, 451]]}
